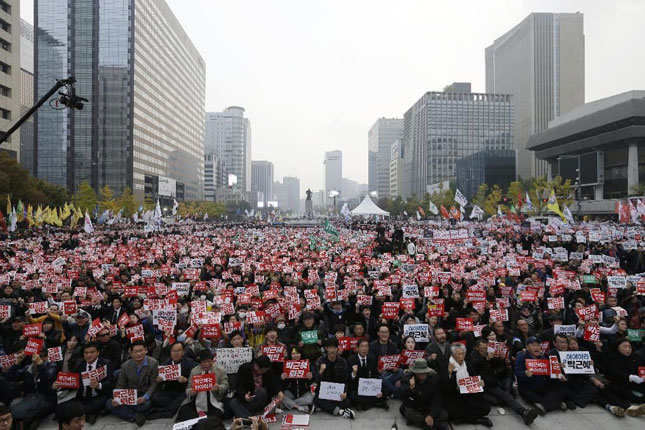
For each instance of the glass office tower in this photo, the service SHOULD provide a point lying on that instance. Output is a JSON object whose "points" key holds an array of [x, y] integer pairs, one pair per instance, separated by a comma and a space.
{"points": [[145, 82]]}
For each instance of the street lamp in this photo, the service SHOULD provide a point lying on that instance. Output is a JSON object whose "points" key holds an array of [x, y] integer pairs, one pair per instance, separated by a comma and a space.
{"points": [[578, 180], [333, 194]]}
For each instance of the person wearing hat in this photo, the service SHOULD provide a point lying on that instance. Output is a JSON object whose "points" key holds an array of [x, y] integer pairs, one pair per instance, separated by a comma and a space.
{"points": [[422, 403], [78, 328], [12, 331], [333, 368], [310, 337], [544, 393], [204, 402]]}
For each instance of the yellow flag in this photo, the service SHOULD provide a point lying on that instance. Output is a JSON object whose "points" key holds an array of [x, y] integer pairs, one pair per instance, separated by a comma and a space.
{"points": [[39, 216], [65, 212], [30, 216], [553, 206]]}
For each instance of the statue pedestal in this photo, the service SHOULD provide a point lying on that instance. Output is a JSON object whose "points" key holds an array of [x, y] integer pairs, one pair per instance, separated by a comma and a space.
{"points": [[309, 209]]}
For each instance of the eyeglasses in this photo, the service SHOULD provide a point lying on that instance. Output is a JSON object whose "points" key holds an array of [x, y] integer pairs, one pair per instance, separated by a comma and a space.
{"points": [[104, 334]]}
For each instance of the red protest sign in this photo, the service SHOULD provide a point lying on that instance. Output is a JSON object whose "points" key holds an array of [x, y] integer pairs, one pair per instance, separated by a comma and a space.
{"points": [[390, 310], [204, 382], [436, 309], [296, 369], [125, 396], [134, 332], [274, 352], [8, 360], [32, 330], [408, 356], [538, 366], [465, 324], [123, 320], [364, 300], [70, 307], [597, 295], [34, 346], [641, 371], [528, 296], [470, 385], [68, 380], [210, 331], [55, 354], [555, 368], [388, 362], [592, 333], [5, 311], [171, 372], [347, 343], [255, 317], [555, 303]]}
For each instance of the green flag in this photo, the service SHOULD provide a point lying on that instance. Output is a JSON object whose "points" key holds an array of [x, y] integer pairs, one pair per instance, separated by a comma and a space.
{"points": [[329, 229]]}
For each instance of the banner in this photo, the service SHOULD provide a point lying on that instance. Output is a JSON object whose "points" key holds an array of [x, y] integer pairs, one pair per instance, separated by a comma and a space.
{"points": [[369, 387], [389, 362], [274, 352], [125, 396], [68, 380], [232, 358], [201, 383], [576, 363], [296, 369], [170, 372]]}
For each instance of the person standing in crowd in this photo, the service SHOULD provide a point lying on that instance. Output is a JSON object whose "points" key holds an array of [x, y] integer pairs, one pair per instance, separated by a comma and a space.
{"points": [[139, 373]]}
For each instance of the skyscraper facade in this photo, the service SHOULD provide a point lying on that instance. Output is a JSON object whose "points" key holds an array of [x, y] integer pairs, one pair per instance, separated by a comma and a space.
{"points": [[541, 63], [27, 94], [333, 178], [262, 180], [442, 127], [228, 134], [292, 185], [214, 175], [10, 73], [380, 138], [145, 81]]}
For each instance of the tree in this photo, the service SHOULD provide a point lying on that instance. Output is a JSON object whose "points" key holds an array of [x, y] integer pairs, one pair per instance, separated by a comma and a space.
{"points": [[149, 204], [480, 196], [107, 201], [396, 206], [85, 198], [127, 202], [637, 190], [493, 200]]}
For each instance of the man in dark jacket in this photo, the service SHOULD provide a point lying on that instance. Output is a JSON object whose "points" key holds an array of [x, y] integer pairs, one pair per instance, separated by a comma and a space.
{"points": [[109, 348], [92, 393], [438, 351], [255, 387], [332, 368], [363, 365], [170, 394], [538, 390], [384, 346], [422, 398], [484, 365]]}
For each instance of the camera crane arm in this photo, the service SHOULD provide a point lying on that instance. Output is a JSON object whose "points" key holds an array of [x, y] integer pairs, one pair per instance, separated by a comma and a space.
{"points": [[58, 85]]}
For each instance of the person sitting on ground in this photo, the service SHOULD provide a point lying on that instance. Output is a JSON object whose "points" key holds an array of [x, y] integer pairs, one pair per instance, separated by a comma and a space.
{"points": [[422, 403], [363, 365], [297, 391], [333, 368], [210, 402], [255, 387], [72, 417]]}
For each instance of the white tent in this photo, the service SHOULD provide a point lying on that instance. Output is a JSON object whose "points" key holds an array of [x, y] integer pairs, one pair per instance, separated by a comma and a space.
{"points": [[368, 207]]}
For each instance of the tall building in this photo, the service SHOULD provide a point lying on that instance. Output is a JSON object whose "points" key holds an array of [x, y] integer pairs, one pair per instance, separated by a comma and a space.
{"points": [[262, 180], [442, 127], [27, 95], [10, 73], [541, 62], [292, 185], [214, 175], [333, 179], [228, 134], [380, 138], [396, 169], [490, 167], [143, 126]]}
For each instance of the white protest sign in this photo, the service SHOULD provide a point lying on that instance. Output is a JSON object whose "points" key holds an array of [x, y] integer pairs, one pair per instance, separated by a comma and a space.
{"points": [[187, 425], [616, 281], [418, 331], [567, 330], [369, 387], [232, 358], [576, 363], [331, 391], [410, 291]]}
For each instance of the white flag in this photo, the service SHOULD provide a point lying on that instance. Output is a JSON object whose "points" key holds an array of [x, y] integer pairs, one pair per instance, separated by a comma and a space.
{"points": [[433, 209], [418, 216], [529, 205], [459, 198], [477, 212], [499, 210], [205, 216], [175, 205], [567, 214], [89, 228], [157, 215], [13, 219]]}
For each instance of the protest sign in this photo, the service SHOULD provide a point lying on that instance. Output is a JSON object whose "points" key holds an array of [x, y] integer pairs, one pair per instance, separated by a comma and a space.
{"points": [[32, 330], [171, 372], [38, 308], [538, 366], [34, 346], [464, 324], [567, 330], [390, 310], [274, 352], [309, 337], [635, 335], [418, 331], [95, 375], [408, 356], [201, 383], [68, 381], [555, 303], [576, 362], [592, 333], [125, 396], [470, 385], [296, 369], [389, 362], [55, 354], [616, 281], [369, 387], [232, 358], [331, 391], [5, 311], [8, 360]]}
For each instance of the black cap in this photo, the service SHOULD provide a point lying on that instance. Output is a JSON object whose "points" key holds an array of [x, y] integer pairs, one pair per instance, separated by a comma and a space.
{"points": [[532, 339], [204, 354]]}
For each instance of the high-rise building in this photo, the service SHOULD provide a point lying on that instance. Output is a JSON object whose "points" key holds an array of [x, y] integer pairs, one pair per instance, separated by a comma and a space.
{"points": [[262, 180], [396, 169], [333, 179], [490, 167], [10, 74], [143, 126], [27, 94], [442, 127], [541, 63], [228, 134], [292, 185], [214, 175], [380, 138]]}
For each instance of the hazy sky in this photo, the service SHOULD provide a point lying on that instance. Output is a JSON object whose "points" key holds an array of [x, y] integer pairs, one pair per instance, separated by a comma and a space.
{"points": [[314, 75]]}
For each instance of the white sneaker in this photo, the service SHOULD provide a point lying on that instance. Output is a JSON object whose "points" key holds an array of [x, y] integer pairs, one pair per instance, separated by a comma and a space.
{"points": [[302, 409], [278, 411], [348, 413]]}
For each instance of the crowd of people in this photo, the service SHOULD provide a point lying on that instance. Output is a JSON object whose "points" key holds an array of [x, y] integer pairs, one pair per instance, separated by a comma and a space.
{"points": [[252, 320]]}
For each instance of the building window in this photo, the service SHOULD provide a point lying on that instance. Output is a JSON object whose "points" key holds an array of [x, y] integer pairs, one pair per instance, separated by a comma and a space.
{"points": [[5, 6], [5, 114], [5, 68], [5, 45], [5, 25], [5, 91]]}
